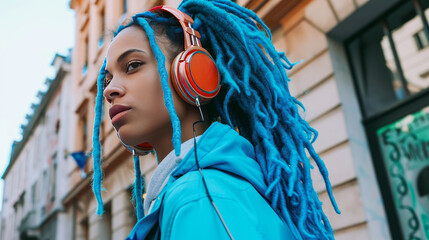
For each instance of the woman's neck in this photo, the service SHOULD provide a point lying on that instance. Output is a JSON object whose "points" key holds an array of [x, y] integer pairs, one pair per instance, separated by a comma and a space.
{"points": [[164, 144]]}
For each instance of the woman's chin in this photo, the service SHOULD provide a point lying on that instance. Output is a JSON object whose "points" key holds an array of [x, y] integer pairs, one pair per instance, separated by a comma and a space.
{"points": [[128, 139]]}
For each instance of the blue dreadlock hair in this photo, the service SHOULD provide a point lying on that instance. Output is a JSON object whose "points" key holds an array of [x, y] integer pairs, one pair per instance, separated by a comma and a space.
{"points": [[254, 99]]}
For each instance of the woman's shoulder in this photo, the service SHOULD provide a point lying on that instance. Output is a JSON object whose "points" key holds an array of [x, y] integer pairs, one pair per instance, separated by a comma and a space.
{"points": [[240, 204], [220, 184], [226, 189]]}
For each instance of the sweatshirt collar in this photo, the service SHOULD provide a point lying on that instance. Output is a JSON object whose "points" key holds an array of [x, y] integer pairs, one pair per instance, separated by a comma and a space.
{"points": [[160, 176]]}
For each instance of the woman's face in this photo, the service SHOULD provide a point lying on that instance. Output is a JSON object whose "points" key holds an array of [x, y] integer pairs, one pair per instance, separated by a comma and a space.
{"points": [[133, 88]]}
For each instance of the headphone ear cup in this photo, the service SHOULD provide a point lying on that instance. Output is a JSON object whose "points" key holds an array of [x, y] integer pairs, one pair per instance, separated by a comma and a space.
{"points": [[194, 73]]}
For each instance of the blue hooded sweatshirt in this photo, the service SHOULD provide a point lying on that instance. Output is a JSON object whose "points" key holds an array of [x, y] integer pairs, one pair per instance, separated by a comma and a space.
{"points": [[234, 179]]}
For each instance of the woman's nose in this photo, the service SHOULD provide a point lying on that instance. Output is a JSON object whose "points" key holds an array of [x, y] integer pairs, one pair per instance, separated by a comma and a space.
{"points": [[113, 90]]}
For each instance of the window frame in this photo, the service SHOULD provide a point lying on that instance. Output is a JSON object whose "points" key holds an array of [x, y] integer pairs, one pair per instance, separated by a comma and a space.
{"points": [[360, 128]]}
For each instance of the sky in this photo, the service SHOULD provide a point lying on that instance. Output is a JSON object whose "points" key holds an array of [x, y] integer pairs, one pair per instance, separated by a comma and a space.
{"points": [[32, 32]]}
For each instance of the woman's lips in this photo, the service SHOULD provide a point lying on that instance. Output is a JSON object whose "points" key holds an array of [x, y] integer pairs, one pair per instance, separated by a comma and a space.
{"points": [[117, 111]]}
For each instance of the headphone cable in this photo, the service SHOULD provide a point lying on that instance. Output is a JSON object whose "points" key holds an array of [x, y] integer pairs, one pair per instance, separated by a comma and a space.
{"points": [[201, 172]]}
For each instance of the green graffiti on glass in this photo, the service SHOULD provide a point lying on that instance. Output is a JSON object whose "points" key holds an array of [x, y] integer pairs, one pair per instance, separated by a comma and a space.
{"points": [[406, 145], [397, 172], [394, 153], [425, 220], [405, 148]]}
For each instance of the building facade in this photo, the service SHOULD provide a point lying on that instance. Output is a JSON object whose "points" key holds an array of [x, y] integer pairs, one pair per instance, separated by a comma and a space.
{"points": [[34, 183], [363, 80], [365, 67]]}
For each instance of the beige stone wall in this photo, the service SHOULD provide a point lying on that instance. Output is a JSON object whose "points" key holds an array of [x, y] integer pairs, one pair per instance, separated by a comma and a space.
{"points": [[313, 82]]}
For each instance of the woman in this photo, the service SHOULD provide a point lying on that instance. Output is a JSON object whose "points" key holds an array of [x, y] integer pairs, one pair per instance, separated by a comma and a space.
{"points": [[246, 175]]}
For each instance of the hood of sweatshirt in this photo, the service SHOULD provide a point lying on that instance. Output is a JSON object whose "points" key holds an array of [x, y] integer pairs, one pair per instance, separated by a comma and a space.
{"points": [[222, 148]]}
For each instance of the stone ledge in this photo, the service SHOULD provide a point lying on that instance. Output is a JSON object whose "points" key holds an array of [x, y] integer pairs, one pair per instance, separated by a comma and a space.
{"points": [[349, 202], [331, 128], [312, 99], [339, 162], [321, 15]]}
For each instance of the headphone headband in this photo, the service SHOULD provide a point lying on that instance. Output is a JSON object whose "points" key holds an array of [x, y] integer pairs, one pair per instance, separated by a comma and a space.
{"points": [[192, 37]]}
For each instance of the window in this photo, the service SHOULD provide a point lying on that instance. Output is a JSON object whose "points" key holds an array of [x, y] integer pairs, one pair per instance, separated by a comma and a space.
{"points": [[102, 21], [33, 195], [106, 223], [53, 177], [124, 6], [44, 192], [421, 40], [82, 133], [84, 229], [386, 66], [84, 29], [86, 53], [57, 126], [85, 132]]}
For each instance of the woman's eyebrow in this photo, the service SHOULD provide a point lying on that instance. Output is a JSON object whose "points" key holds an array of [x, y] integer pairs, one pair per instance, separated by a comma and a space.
{"points": [[126, 53]]}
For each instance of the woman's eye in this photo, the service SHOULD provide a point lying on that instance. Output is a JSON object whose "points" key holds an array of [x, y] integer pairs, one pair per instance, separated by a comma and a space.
{"points": [[106, 82], [133, 65]]}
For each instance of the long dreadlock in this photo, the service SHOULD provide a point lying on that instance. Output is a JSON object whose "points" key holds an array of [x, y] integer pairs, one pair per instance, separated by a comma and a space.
{"points": [[255, 99]]}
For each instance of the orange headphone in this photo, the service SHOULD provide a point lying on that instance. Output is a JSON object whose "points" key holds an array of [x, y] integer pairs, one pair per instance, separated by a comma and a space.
{"points": [[194, 74]]}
